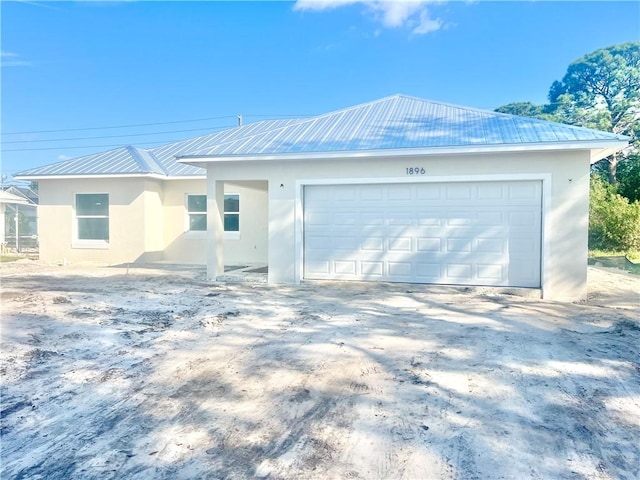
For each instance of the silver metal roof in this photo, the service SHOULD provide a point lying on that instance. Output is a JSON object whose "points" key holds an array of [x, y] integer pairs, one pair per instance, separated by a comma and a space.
{"points": [[401, 122], [160, 160], [166, 154], [396, 122], [122, 160], [10, 198]]}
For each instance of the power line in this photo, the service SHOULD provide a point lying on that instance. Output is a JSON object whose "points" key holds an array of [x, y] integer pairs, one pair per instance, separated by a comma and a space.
{"points": [[69, 148], [116, 136], [278, 116], [157, 143], [148, 124], [117, 126]]}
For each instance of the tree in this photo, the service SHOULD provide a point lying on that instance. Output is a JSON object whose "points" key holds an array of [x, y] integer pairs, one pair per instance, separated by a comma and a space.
{"points": [[602, 90], [523, 109], [614, 223], [629, 177]]}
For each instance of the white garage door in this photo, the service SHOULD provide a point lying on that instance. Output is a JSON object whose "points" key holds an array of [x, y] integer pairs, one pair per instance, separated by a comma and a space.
{"points": [[480, 233]]}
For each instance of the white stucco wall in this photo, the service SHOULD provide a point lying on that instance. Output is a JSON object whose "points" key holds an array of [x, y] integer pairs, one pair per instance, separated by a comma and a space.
{"points": [[135, 220], [565, 177], [147, 222], [182, 246]]}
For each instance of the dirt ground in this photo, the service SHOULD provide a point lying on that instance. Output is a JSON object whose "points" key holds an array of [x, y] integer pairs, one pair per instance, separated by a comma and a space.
{"points": [[152, 373]]}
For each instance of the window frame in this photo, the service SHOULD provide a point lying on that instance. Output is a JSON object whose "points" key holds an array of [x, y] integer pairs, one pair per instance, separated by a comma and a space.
{"points": [[99, 243], [188, 214], [231, 234]]}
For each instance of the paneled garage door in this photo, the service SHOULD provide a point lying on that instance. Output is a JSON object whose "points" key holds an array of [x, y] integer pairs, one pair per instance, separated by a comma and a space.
{"points": [[480, 233]]}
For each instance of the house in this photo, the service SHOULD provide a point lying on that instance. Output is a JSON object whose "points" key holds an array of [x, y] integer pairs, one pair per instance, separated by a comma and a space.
{"points": [[400, 189], [25, 192], [19, 217]]}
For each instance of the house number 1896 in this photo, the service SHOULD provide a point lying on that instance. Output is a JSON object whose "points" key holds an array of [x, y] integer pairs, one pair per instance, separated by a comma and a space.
{"points": [[415, 171]]}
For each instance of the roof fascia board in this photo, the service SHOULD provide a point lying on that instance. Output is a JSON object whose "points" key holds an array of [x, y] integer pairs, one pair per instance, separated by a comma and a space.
{"points": [[599, 154], [595, 145], [185, 177], [97, 176]]}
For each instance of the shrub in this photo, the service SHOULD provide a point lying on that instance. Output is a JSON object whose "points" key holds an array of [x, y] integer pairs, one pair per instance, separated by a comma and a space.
{"points": [[614, 223]]}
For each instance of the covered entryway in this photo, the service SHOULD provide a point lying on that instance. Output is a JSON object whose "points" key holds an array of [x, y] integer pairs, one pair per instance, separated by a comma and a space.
{"points": [[458, 233]]}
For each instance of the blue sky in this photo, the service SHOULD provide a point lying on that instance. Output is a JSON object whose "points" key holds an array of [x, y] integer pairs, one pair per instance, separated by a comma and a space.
{"points": [[83, 65]]}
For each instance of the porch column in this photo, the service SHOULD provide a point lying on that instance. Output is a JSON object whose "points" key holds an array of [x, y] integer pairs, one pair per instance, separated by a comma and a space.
{"points": [[215, 228]]}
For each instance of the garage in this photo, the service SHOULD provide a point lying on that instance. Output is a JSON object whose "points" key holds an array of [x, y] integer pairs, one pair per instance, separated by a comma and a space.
{"points": [[457, 233]]}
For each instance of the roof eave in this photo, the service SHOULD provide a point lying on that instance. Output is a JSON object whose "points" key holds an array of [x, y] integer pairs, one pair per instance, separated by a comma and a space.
{"points": [[599, 149], [91, 176], [599, 154]]}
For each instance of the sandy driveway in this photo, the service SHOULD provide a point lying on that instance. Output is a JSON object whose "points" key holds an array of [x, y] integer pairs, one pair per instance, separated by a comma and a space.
{"points": [[154, 374]]}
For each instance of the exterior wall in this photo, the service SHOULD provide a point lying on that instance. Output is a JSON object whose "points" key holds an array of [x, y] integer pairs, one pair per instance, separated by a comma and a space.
{"points": [[183, 246], [134, 220], [252, 244], [565, 177], [147, 222], [153, 221]]}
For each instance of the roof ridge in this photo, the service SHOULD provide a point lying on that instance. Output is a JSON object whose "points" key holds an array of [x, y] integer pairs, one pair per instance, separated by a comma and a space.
{"points": [[217, 131], [309, 119], [294, 122], [508, 115], [136, 154]]}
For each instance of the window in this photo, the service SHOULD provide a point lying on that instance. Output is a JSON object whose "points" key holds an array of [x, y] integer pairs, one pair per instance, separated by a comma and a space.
{"points": [[197, 213], [232, 213], [92, 214]]}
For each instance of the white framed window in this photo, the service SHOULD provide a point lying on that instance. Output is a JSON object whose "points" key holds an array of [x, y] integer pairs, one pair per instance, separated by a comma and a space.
{"points": [[232, 213], [197, 213], [92, 217]]}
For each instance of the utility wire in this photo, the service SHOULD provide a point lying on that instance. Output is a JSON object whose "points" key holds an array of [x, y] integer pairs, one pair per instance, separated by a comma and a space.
{"points": [[156, 143], [116, 136], [85, 146], [123, 135], [117, 126], [148, 124]]}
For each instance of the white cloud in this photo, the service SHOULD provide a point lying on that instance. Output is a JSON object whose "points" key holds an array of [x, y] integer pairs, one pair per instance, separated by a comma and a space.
{"points": [[10, 59], [64, 157], [391, 14], [319, 5], [426, 24]]}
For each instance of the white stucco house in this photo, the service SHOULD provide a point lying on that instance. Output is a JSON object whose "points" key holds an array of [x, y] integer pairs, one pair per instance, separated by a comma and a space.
{"points": [[396, 190], [12, 202]]}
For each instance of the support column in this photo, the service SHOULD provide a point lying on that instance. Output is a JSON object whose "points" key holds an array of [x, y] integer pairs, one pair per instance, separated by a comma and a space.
{"points": [[215, 228]]}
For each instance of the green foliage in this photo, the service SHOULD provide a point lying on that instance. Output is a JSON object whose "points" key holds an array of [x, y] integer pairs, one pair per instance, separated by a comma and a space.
{"points": [[600, 90], [523, 109], [629, 177], [614, 223]]}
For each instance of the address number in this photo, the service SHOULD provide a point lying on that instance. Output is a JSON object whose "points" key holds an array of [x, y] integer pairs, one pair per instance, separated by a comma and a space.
{"points": [[415, 171]]}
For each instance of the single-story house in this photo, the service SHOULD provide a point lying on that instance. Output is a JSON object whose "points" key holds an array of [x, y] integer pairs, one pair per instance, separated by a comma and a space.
{"points": [[19, 213], [9, 204], [400, 189]]}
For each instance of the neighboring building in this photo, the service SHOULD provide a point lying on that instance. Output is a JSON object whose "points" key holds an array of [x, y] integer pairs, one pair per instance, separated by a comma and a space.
{"points": [[400, 189], [25, 192], [19, 213]]}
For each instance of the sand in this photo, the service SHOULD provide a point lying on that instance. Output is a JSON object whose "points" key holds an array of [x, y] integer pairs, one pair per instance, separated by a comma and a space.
{"points": [[152, 373]]}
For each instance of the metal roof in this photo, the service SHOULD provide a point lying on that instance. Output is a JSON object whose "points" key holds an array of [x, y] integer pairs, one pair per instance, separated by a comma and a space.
{"points": [[166, 154], [394, 123], [401, 122], [6, 197], [22, 191], [122, 160], [159, 160]]}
